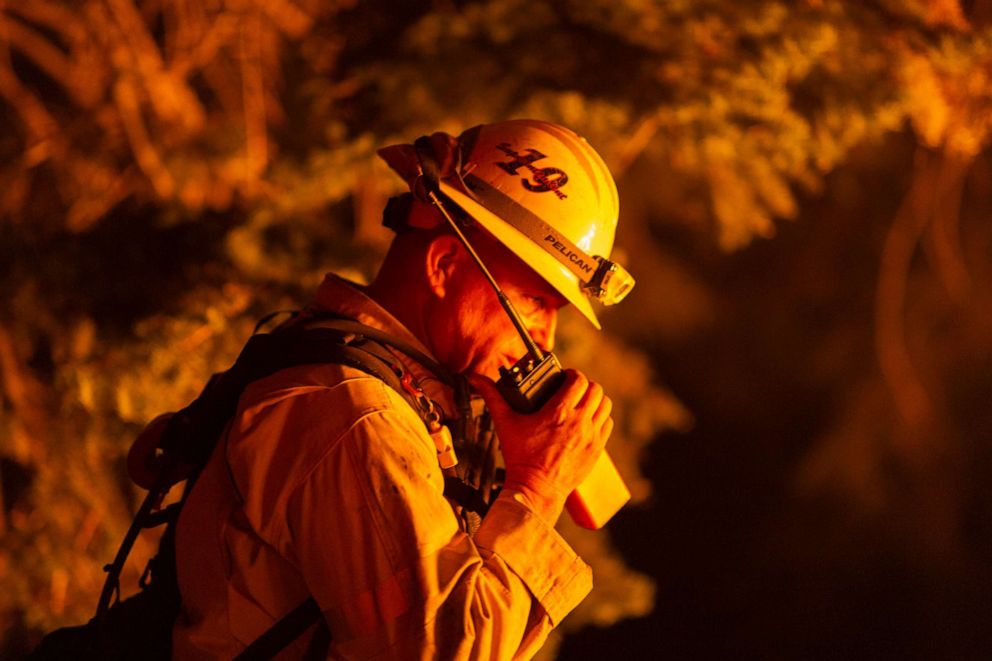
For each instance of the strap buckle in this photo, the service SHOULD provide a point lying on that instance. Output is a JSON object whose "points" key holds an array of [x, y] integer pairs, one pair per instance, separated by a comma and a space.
{"points": [[440, 434]]}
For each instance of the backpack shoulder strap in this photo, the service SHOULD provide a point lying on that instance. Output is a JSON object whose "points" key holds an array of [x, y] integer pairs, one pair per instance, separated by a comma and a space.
{"points": [[192, 432], [314, 319], [292, 625]]}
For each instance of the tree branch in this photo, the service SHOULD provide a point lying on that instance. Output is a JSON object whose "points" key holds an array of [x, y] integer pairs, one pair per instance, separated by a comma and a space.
{"points": [[253, 97], [39, 50], [28, 397], [944, 240], [911, 398], [933, 199]]}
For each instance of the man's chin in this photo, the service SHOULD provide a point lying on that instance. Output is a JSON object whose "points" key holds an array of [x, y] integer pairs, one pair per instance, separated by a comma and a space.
{"points": [[490, 367], [489, 370], [492, 372]]}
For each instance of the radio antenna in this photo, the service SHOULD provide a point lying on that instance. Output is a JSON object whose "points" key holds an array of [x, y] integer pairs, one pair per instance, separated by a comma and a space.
{"points": [[532, 348]]}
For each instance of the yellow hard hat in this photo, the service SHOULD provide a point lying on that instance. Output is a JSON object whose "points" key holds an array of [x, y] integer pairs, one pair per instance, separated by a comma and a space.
{"points": [[544, 193]]}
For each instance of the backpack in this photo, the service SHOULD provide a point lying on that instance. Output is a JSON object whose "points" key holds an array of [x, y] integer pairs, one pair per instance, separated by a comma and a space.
{"points": [[140, 627]]}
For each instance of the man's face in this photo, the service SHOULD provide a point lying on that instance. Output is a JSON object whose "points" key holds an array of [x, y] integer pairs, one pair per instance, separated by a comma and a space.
{"points": [[478, 334]]}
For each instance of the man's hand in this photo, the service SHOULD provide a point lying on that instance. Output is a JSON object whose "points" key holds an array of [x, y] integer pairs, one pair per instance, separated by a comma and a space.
{"points": [[550, 451]]}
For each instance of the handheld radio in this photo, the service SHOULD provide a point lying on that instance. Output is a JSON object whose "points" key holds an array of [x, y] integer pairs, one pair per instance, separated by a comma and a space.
{"points": [[528, 384]]}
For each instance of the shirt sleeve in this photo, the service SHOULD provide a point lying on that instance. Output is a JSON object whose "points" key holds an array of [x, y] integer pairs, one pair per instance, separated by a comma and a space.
{"points": [[380, 549]]}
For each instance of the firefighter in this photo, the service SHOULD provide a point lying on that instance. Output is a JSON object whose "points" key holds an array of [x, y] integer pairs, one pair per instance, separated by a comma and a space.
{"points": [[327, 482]]}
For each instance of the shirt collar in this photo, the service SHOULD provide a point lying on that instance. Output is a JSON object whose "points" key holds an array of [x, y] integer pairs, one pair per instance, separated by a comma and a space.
{"points": [[348, 299]]}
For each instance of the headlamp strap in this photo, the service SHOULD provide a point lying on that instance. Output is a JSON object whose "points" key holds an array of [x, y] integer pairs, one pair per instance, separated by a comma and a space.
{"points": [[587, 268], [430, 170]]}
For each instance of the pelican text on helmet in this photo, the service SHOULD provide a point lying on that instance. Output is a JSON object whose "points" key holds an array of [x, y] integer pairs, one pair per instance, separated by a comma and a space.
{"points": [[570, 254]]}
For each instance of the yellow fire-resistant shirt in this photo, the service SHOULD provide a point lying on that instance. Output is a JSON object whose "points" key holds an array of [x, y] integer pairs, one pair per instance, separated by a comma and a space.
{"points": [[327, 484]]}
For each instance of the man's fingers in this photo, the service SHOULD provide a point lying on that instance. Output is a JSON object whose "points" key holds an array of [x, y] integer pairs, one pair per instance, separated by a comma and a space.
{"points": [[573, 389], [592, 398], [607, 430], [603, 411]]}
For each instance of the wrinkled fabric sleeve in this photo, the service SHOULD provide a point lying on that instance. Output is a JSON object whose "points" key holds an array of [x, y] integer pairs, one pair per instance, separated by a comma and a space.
{"points": [[380, 549]]}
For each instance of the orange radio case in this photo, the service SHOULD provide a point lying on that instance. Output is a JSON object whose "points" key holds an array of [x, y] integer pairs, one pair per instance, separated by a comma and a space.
{"points": [[599, 496]]}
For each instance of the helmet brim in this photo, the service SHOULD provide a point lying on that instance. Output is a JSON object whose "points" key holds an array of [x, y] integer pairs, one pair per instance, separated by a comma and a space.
{"points": [[554, 272]]}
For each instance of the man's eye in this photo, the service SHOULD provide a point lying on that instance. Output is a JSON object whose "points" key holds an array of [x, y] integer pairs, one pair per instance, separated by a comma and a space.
{"points": [[531, 304]]}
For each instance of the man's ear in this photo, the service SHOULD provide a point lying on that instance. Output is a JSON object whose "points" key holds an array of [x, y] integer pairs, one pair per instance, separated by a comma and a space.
{"points": [[441, 262]]}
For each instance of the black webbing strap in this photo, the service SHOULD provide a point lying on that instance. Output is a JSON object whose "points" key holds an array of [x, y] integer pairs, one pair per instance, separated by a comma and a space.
{"points": [[463, 494], [285, 631], [315, 321]]}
